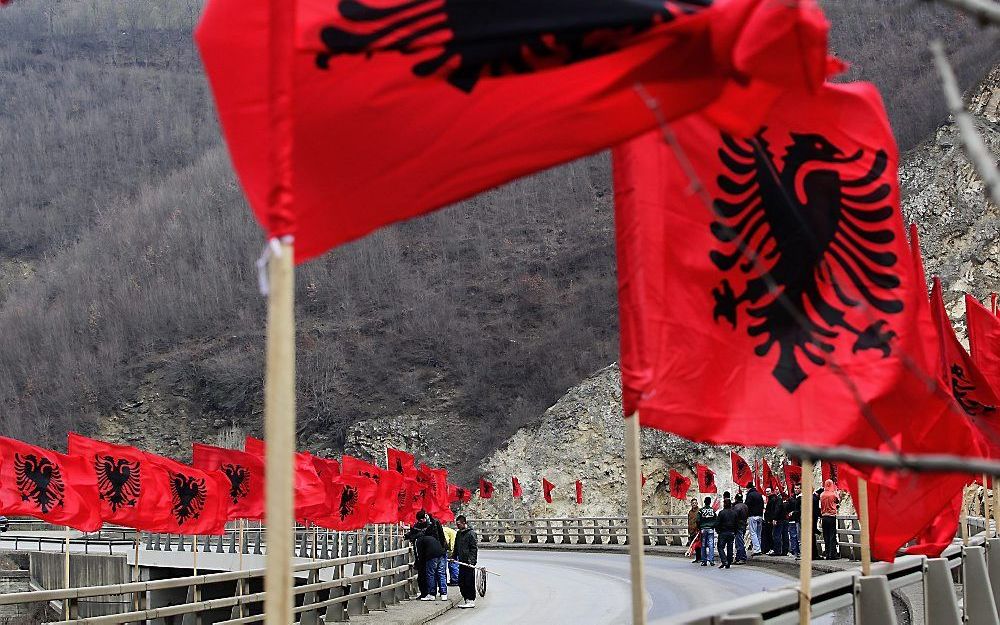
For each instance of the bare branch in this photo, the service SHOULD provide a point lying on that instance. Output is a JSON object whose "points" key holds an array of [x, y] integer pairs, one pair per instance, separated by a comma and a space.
{"points": [[975, 148], [985, 10]]}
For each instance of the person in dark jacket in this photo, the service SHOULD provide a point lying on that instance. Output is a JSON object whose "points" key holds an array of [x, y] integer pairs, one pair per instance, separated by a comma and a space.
{"points": [[434, 527], [693, 530], [742, 515], [726, 524], [780, 540], [755, 517], [466, 552], [706, 525], [418, 530], [814, 530], [767, 533], [435, 556], [793, 513]]}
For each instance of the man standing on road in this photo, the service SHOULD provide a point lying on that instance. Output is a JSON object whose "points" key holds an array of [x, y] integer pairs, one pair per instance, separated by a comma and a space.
{"points": [[828, 504], [431, 551], [693, 530], [467, 553], [449, 537], [794, 516], [755, 517], [706, 525], [767, 533], [742, 514], [727, 522]]}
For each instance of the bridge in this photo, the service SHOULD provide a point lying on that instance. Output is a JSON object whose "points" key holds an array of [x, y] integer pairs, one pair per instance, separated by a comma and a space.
{"points": [[569, 570]]}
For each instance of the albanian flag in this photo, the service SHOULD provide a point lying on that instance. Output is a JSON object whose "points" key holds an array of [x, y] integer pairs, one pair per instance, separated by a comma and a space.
{"points": [[198, 500], [385, 508], [351, 503], [458, 494], [245, 473], [485, 488], [387, 109], [742, 473], [768, 478], [793, 477], [516, 487], [129, 488], [47, 485], [350, 465], [940, 533], [579, 492], [984, 339], [775, 303], [310, 491], [400, 462], [706, 479], [327, 469], [829, 471], [547, 488], [679, 485]]}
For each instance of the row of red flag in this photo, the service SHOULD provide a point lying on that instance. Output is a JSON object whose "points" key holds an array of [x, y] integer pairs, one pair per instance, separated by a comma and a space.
{"points": [[98, 482], [486, 489]]}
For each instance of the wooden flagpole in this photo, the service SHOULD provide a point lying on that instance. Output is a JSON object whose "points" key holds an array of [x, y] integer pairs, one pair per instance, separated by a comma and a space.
{"points": [[66, 571], [279, 428], [996, 501], [634, 481], [963, 517], [866, 542], [806, 546], [986, 504]]}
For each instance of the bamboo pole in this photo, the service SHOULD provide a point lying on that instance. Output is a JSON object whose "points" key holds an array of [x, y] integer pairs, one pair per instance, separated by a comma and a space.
{"points": [[963, 517], [863, 515], [634, 481], [986, 504], [806, 546], [66, 581], [996, 500], [279, 427]]}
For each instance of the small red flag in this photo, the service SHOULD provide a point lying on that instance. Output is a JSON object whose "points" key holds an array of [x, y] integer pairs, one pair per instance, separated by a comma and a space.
{"points": [[400, 462], [770, 481], [47, 485], [515, 487], [245, 473], [679, 485], [485, 488], [199, 499], [643, 479], [579, 492], [830, 472], [441, 91], [742, 473], [706, 479], [547, 488], [458, 494], [130, 491], [793, 477]]}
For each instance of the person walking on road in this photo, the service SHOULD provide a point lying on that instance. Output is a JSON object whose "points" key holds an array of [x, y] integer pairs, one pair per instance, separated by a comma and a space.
{"points": [[707, 521], [755, 517], [693, 530], [742, 514], [727, 522], [466, 552], [829, 502]]}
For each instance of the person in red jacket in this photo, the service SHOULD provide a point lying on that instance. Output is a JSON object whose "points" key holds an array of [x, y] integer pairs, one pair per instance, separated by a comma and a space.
{"points": [[829, 503]]}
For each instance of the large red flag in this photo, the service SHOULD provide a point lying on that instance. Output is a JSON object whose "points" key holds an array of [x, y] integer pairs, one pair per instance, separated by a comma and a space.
{"points": [[353, 466], [808, 207], [400, 462], [547, 488], [129, 487], [47, 485], [706, 479], [679, 485], [768, 478], [984, 339], [327, 469], [485, 488], [516, 487], [352, 498], [245, 473], [742, 473], [830, 471], [793, 477], [199, 500], [385, 507], [311, 499], [937, 536], [404, 106]]}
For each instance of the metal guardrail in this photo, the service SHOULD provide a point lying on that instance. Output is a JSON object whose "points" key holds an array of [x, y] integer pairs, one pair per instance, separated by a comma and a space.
{"points": [[324, 590], [663, 531], [976, 569]]}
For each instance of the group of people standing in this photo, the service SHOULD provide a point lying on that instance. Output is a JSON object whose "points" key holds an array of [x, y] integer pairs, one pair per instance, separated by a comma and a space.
{"points": [[445, 557], [771, 522]]}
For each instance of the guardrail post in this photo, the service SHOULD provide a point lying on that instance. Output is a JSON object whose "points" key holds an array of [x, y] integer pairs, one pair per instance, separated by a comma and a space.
{"points": [[940, 603], [581, 536], [565, 531], [612, 532], [873, 602], [232, 542], [518, 530], [356, 606], [310, 617], [980, 607], [389, 594], [993, 565], [597, 533], [647, 538], [326, 545], [658, 528], [550, 537], [501, 531], [337, 612], [166, 542], [374, 600]]}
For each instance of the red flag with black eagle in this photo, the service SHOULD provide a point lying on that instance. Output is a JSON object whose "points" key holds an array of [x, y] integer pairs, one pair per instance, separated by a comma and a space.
{"points": [[130, 490], [327, 469], [742, 473], [400, 462], [48, 485], [245, 473], [199, 500], [310, 491], [984, 339], [793, 477], [485, 488], [777, 303], [679, 485], [767, 477], [352, 498], [579, 492], [829, 471], [706, 479], [458, 494], [515, 487], [405, 106], [547, 488]]}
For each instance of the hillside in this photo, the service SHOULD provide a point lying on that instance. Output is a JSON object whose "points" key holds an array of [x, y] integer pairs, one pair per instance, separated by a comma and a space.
{"points": [[128, 301]]}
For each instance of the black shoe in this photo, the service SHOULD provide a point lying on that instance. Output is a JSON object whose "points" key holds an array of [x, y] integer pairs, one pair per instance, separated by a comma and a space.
{"points": [[727, 566], [704, 563], [712, 563]]}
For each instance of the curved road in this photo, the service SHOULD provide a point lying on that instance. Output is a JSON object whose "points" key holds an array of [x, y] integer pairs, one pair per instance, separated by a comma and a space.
{"points": [[564, 588]]}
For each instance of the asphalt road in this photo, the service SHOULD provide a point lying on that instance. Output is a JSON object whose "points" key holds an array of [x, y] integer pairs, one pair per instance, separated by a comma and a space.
{"points": [[593, 588]]}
